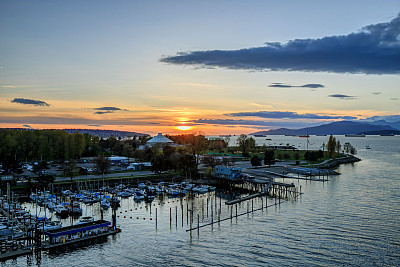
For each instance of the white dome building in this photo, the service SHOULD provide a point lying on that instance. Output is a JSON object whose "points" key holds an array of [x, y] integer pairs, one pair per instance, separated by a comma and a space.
{"points": [[159, 139]]}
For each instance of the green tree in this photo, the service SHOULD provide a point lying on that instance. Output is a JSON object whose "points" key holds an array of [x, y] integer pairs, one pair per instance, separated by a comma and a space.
{"points": [[331, 146], [102, 165], [269, 157], [286, 156], [338, 147], [255, 161], [11, 165], [245, 144], [197, 143], [70, 169]]}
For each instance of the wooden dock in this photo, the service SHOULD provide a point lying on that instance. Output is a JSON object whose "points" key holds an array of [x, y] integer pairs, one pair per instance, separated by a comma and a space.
{"points": [[11, 254], [238, 200], [271, 186]]}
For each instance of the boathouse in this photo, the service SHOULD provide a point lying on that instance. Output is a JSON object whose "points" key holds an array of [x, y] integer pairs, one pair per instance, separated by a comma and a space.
{"points": [[228, 172], [75, 233]]}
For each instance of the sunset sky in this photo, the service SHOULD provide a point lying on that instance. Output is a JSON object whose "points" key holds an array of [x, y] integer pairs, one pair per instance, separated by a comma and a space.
{"points": [[215, 67]]}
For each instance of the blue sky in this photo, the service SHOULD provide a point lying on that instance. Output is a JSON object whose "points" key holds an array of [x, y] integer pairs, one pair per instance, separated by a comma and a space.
{"points": [[121, 64]]}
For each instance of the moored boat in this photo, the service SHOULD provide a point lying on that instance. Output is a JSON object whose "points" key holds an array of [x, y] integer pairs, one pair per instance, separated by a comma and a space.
{"points": [[61, 210]]}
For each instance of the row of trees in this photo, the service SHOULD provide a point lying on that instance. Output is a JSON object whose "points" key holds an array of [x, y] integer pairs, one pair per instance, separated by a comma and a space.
{"points": [[334, 147], [28, 145]]}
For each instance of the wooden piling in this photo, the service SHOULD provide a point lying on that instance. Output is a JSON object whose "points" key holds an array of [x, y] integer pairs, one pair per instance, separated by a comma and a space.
{"points": [[236, 210]]}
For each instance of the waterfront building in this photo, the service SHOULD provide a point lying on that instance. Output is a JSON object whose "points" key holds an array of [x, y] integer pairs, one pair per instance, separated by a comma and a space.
{"points": [[228, 172]]}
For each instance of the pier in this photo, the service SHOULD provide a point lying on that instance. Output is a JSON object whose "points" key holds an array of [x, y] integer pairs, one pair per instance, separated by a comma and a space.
{"points": [[14, 253]]}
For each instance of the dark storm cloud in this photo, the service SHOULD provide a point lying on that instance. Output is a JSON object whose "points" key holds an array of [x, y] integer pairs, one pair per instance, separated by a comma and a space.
{"points": [[342, 96], [33, 102], [309, 85], [375, 49], [287, 115]]}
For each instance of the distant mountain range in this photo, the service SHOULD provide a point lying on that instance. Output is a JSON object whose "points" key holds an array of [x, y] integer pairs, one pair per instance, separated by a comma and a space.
{"points": [[99, 133], [106, 133], [340, 128]]}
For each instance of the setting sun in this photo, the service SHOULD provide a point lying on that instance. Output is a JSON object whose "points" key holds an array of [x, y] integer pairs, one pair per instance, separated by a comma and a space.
{"points": [[184, 127]]}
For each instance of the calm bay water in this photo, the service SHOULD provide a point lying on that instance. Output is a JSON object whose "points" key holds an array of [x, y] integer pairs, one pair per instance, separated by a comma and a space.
{"points": [[351, 220]]}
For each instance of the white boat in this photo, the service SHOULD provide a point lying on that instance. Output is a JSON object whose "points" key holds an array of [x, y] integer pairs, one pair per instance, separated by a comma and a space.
{"points": [[200, 189], [90, 200], [50, 225], [83, 220], [33, 196], [66, 192], [105, 203], [138, 196], [76, 208], [51, 205]]}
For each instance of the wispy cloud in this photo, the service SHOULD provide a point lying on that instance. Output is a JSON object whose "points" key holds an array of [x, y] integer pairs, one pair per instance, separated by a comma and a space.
{"points": [[95, 125], [375, 49], [342, 96], [7, 86], [75, 120], [27, 126], [394, 98], [29, 102], [309, 85], [106, 110], [103, 112], [287, 115], [269, 124], [109, 108], [389, 118], [376, 93]]}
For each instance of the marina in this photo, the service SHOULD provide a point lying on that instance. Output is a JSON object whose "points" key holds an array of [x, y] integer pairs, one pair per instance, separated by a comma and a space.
{"points": [[173, 218]]}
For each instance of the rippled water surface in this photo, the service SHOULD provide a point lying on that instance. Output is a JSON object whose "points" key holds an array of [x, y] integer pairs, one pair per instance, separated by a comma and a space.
{"points": [[351, 220]]}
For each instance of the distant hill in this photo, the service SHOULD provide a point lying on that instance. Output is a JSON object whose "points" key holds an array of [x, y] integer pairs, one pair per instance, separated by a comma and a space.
{"points": [[106, 133], [334, 128], [99, 133], [395, 125]]}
